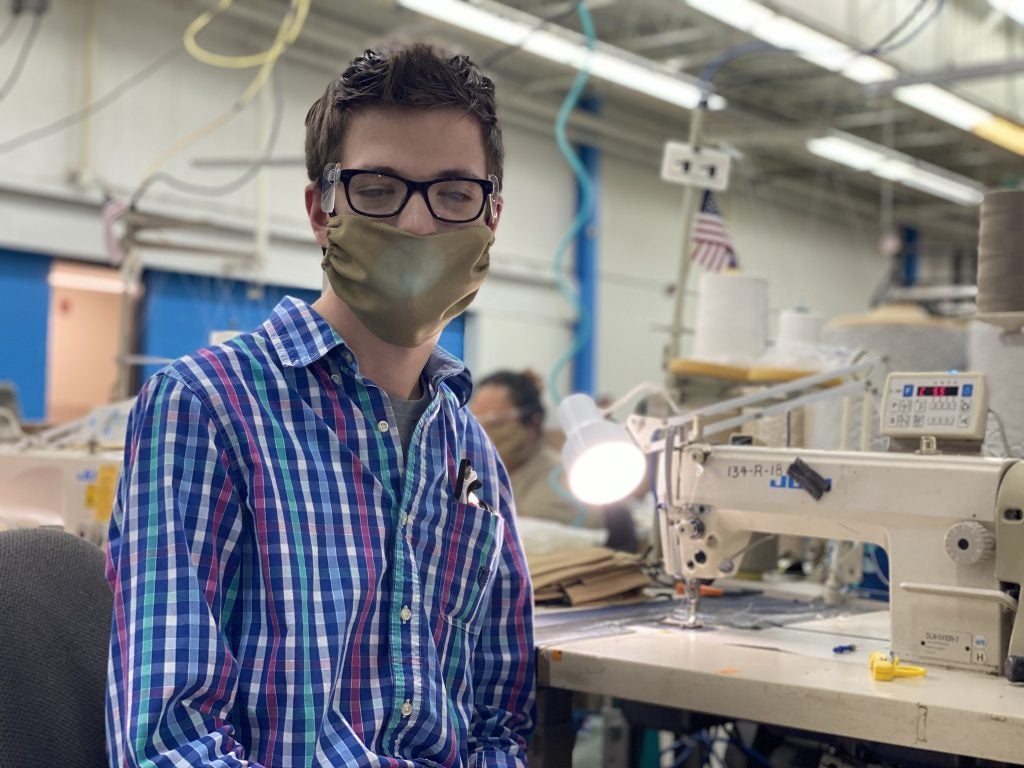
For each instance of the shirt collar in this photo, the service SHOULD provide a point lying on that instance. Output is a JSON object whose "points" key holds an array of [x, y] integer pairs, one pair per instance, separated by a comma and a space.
{"points": [[300, 337], [444, 367]]}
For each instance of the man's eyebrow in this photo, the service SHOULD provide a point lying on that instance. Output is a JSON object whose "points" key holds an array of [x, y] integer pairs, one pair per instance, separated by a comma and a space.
{"points": [[447, 173]]}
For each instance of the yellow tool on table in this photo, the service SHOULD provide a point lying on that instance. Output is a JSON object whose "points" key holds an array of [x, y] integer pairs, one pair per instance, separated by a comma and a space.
{"points": [[887, 667]]}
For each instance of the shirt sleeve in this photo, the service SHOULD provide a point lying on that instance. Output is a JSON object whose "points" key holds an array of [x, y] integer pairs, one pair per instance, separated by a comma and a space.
{"points": [[173, 566], [503, 662]]}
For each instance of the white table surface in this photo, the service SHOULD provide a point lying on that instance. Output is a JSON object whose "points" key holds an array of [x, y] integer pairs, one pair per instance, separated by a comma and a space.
{"points": [[789, 676]]}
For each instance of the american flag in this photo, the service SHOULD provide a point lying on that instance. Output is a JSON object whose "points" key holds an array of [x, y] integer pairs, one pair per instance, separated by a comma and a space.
{"points": [[712, 246]]}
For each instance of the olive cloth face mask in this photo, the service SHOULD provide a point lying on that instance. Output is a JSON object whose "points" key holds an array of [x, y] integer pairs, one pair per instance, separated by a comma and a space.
{"points": [[404, 288], [515, 443]]}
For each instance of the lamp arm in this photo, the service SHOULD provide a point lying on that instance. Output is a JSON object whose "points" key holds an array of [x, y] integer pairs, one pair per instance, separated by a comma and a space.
{"points": [[649, 431], [644, 388]]}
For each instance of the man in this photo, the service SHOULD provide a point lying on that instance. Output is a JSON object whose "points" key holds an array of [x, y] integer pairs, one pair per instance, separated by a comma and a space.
{"points": [[508, 405], [313, 550]]}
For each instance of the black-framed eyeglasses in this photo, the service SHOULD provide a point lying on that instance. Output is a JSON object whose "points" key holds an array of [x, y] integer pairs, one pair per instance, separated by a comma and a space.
{"points": [[380, 195]]}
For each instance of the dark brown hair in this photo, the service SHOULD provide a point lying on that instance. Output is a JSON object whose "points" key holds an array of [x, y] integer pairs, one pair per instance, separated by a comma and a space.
{"points": [[524, 390], [416, 76]]}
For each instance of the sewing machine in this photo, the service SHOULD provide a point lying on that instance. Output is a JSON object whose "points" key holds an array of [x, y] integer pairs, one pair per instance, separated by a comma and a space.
{"points": [[65, 476], [73, 490], [951, 525]]}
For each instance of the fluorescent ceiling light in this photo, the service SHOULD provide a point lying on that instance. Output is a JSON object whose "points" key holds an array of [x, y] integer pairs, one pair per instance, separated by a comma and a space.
{"points": [[605, 62], [964, 115], [886, 163], [1012, 8], [848, 153], [813, 46], [942, 184], [1002, 132], [943, 105], [787, 34]]}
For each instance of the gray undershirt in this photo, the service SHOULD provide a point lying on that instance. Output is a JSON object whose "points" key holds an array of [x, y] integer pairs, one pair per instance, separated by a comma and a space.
{"points": [[407, 416]]}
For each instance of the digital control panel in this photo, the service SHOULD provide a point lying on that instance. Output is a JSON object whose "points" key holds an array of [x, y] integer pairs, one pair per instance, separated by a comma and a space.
{"points": [[943, 405]]}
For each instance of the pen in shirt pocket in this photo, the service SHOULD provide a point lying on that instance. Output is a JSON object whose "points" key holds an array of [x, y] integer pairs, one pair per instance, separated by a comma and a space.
{"points": [[467, 485]]}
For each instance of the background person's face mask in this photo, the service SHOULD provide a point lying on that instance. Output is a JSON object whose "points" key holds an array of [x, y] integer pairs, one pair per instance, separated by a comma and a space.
{"points": [[514, 441], [404, 288]]}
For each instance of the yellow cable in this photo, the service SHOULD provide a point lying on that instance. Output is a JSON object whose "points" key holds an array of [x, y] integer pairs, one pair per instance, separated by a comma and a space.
{"points": [[301, 9], [287, 33]]}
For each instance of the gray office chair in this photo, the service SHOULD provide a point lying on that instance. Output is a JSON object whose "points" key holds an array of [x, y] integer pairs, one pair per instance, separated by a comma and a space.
{"points": [[10, 412], [55, 611], [9, 398]]}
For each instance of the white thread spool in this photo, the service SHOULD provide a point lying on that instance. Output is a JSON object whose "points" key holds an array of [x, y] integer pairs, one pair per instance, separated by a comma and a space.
{"points": [[795, 350], [796, 344], [991, 349], [907, 338], [732, 317], [1000, 356], [1001, 252], [798, 327]]}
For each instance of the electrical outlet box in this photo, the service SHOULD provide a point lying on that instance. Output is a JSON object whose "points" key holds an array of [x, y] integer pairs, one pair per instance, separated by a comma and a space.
{"points": [[32, 6], [702, 167]]}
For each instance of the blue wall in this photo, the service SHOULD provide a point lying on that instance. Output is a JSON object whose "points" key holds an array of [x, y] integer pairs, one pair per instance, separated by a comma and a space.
{"points": [[181, 310], [179, 313], [453, 338], [584, 368], [24, 308]]}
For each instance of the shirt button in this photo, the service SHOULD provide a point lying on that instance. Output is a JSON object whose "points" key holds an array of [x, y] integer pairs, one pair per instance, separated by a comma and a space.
{"points": [[407, 708], [406, 614], [404, 520], [336, 378], [383, 426]]}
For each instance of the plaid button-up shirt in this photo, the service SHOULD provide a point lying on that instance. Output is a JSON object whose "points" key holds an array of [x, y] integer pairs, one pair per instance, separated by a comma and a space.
{"points": [[289, 590]]}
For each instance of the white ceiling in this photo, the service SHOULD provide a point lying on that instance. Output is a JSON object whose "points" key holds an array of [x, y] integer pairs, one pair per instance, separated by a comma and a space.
{"points": [[776, 100]]}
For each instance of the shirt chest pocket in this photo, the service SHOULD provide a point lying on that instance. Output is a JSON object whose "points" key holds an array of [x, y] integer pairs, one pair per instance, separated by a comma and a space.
{"points": [[469, 564]]}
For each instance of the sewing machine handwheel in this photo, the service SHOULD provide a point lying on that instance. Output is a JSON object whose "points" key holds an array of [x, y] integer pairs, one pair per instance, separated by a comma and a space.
{"points": [[1014, 669]]}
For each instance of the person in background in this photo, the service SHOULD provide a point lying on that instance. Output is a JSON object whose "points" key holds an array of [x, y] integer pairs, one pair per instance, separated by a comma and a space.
{"points": [[509, 406], [313, 550]]}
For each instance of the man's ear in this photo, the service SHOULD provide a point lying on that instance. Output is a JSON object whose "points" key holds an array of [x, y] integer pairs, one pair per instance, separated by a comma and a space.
{"points": [[492, 221], [317, 218]]}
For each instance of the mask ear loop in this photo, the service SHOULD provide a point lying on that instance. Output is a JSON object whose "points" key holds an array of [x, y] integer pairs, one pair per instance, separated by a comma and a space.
{"points": [[492, 199], [329, 188]]}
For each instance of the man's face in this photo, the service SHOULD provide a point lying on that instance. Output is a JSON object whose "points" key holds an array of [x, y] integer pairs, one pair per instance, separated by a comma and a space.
{"points": [[418, 144], [494, 409], [492, 406]]}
